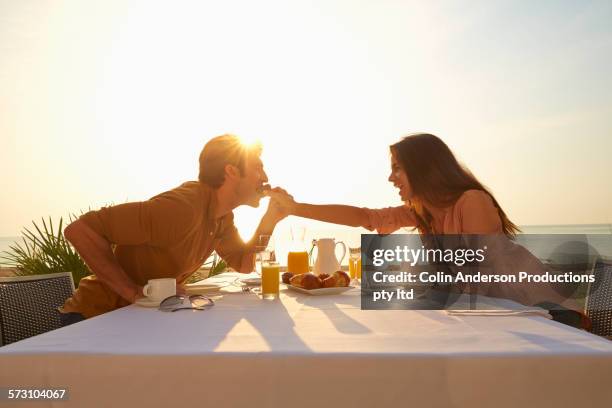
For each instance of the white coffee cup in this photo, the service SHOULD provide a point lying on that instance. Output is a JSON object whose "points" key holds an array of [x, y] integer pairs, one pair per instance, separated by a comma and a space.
{"points": [[159, 289]]}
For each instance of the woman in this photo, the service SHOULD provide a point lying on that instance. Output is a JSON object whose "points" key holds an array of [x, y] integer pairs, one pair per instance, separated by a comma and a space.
{"points": [[441, 197]]}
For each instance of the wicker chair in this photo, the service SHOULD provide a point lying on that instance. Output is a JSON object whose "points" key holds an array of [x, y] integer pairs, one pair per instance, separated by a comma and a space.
{"points": [[599, 299], [28, 304]]}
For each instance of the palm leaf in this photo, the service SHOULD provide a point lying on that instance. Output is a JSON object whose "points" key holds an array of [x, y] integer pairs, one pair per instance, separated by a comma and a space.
{"points": [[45, 250]]}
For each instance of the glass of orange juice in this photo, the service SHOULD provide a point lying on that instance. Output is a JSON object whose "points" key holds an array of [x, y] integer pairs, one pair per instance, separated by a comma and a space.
{"points": [[270, 279], [358, 269], [265, 251], [354, 262]]}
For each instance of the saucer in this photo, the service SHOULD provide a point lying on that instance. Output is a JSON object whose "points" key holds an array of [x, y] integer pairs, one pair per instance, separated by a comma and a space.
{"points": [[202, 288], [145, 302], [251, 281]]}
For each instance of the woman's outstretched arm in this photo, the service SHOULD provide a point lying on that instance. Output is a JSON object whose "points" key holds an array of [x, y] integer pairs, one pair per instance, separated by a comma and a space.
{"points": [[334, 213], [385, 220]]}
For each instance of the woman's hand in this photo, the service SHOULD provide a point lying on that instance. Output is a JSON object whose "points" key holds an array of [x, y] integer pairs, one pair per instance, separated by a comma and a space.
{"points": [[276, 210], [282, 200]]}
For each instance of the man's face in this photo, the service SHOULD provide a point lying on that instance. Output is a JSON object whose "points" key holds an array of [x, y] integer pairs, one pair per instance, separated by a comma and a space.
{"points": [[253, 178]]}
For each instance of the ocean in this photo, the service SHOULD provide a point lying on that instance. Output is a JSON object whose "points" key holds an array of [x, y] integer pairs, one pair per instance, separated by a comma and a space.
{"points": [[5, 243], [599, 237]]}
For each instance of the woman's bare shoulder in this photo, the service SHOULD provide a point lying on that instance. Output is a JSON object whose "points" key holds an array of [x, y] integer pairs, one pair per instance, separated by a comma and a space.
{"points": [[474, 197], [477, 212]]}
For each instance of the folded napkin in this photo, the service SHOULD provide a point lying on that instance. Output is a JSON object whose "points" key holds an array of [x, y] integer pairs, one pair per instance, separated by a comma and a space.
{"points": [[501, 312]]}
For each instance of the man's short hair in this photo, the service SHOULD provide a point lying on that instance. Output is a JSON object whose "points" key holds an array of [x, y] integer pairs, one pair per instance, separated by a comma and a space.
{"points": [[222, 150]]}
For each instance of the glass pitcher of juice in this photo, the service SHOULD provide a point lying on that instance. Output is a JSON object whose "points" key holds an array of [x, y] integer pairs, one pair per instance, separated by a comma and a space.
{"points": [[297, 258]]}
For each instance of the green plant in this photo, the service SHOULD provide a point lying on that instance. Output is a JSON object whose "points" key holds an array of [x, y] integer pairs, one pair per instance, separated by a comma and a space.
{"points": [[216, 266], [45, 250]]}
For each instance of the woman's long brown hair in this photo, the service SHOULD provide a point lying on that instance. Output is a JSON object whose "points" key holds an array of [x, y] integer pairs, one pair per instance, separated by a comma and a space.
{"points": [[436, 177]]}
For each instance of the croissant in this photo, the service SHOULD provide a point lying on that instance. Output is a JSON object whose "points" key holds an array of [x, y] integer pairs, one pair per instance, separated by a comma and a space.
{"points": [[342, 278], [329, 282], [306, 280]]}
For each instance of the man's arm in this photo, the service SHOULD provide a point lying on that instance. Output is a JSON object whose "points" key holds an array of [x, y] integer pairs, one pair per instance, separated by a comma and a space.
{"points": [[241, 255], [97, 253], [266, 227]]}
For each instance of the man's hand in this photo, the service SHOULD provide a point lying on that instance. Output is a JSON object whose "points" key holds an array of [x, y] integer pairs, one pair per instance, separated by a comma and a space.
{"points": [[97, 253], [133, 293], [279, 206], [273, 215]]}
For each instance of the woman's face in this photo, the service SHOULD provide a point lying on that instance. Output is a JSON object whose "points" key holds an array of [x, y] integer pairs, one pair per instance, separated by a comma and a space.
{"points": [[399, 179]]}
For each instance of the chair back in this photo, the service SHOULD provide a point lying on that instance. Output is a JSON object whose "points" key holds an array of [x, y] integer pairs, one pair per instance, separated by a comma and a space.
{"points": [[28, 304], [599, 299]]}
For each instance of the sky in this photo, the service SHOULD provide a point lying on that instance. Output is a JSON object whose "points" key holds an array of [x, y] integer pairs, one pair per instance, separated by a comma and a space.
{"points": [[103, 102]]}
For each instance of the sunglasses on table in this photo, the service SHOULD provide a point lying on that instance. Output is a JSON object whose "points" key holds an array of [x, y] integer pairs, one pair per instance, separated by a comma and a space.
{"points": [[184, 302]]}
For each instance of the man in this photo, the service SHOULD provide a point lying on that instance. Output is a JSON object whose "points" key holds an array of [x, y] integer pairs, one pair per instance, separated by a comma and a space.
{"points": [[171, 234]]}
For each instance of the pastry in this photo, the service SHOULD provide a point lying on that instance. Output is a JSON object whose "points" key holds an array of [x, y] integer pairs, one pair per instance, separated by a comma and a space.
{"points": [[342, 278], [306, 280], [287, 277], [329, 282], [263, 189]]}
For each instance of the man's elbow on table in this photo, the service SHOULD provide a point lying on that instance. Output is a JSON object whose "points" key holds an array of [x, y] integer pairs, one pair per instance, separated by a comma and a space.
{"points": [[74, 230]]}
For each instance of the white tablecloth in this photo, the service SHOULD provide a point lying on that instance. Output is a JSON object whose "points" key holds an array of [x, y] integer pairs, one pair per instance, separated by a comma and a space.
{"points": [[305, 351]]}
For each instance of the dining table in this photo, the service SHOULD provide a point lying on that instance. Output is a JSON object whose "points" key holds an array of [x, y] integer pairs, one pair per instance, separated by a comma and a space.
{"points": [[309, 351]]}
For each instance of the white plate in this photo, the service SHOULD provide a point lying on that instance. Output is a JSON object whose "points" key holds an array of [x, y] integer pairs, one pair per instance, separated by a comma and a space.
{"points": [[200, 288], [144, 302], [322, 291], [251, 281]]}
